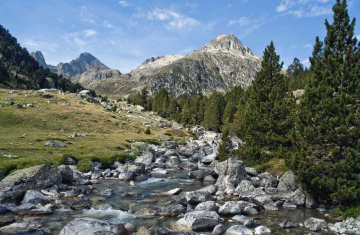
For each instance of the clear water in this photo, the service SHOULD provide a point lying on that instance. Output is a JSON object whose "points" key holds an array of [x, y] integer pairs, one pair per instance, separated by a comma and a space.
{"points": [[136, 204]]}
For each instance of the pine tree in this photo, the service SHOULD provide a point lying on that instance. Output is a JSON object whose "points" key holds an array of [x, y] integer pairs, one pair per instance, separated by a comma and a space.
{"points": [[225, 146], [327, 127], [266, 120], [214, 112]]}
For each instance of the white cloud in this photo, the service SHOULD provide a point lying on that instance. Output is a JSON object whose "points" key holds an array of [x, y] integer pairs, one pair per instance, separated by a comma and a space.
{"points": [[86, 15], [174, 20], [306, 61], [112, 42], [358, 37], [124, 3], [308, 45], [41, 45], [304, 8], [106, 24], [90, 32], [242, 21], [73, 38]]}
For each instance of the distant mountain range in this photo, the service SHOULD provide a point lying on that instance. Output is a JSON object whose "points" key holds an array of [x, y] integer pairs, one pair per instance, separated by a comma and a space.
{"points": [[223, 63]]}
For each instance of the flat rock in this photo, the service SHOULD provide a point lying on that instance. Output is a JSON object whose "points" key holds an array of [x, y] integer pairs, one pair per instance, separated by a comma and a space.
{"points": [[199, 220], [54, 143], [315, 224]]}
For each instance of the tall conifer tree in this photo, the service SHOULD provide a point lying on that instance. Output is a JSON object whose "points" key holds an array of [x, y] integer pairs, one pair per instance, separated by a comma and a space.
{"points": [[327, 127]]}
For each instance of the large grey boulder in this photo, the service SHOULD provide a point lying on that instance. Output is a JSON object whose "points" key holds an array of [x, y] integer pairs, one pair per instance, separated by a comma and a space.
{"points": [[206, 206], [67, 174], [89, 226], [210, 189], [201, 174], [238, 230], [31, 209], [140, 146], [189, 166], [315, 224], [235, 207], [172, 161], [169, 145], [247, 191], [126, 176], [146, 158], [288, 182], [199, 220], [171, 211], [219, 229], [14, 186], [195, 197], [267, 180], [262, 230], [247, 221], [21, 227], [33, 196], [186, 151], [230, 171], [251, 171]]}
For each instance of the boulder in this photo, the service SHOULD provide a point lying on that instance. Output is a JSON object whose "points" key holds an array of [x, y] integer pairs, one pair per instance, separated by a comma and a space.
{"points": [[35, 197], [195, 197], [235, 207], [21, 227], [140, 146], [262, 230], [143, 231], [146, 158], [189, 166], [130, 228], [219, 229], [199, 220], [247, 191], [126, 176], [209, 178], [201, 174], [186, 151], [206, 206], [230, 171], [315, 224], [251, 171], [4, 221], [14, 186], [169, 145], [54, 143], [106, 192], [267, 180], [238, 230], [31, 209], [247, 221], [89, 226], [172, 161], [171, 211], [287, 224], [288, 182], [67, 174], [210, 189]]}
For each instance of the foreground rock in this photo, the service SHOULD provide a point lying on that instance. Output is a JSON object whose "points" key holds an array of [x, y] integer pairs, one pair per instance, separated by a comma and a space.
{"points": [[238, 230], [198, 220], [23, 227], [14, 186], [195, 197], [315, 224], [89, 226], [171, 211], [231, 171]]}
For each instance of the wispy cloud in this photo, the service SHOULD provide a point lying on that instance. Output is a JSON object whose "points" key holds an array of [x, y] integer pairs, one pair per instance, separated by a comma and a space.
{"points": [[174, 20], [90, 32], [304, 8], [73, 38], [124, 3], [41, 45], [86, 15], [241, 21], [308, 45], [106, 24]]}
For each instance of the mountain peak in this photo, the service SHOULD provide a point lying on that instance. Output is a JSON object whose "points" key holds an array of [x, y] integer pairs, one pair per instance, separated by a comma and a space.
{"points": [[226, 43], [39, 57]]}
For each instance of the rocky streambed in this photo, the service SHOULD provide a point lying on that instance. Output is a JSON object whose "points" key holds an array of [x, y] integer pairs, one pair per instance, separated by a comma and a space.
{"points": [[169, 189]]}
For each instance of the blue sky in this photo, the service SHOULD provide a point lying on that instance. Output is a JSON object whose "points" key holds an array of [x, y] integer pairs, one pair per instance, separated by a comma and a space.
{"points": [[122, 34]]}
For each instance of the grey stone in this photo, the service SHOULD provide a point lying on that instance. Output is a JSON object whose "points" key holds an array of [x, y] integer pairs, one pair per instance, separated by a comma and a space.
{"points": [[287, 224], [251, 171], [172, 161], [315, 224], [35, 197], [54, 143], [238, 230], [21, 227], [141, 146], [269, 180], [206, 206], [126, 176], [106, 192], [247, 221], [219, 229], [195, 197], [199, 220], [189, 166], [14, 186], [171, 211], [288, 181], [169, 145], [262, 230], [230, 171], [89, 226], [67, 174]]}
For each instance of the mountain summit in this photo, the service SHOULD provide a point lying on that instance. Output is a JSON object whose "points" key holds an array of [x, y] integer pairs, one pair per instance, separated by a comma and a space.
{"points": [[223, 63]]}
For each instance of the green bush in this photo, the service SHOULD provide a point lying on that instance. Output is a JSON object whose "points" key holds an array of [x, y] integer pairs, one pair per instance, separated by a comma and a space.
{"points": [[352, 211], [114, 108], [104, 99], [148, 131], [84, 165]]}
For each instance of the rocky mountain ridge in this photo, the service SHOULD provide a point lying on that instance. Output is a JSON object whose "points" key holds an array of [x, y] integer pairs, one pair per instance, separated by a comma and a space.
{"points": [[223, 63]]}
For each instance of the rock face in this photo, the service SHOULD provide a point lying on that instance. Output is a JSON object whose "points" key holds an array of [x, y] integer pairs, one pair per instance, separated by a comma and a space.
{"points": [[89, 226], [199, 220], [38, 56], [14, 186], [223, 63]]}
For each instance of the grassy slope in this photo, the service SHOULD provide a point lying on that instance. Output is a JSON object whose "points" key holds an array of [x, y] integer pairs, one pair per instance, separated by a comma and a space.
{"points": [[105, 131]]}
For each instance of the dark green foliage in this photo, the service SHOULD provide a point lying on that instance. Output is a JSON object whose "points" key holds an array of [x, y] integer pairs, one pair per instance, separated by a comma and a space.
{"points": [[114, 108], [295, 68], [225, 146], [214, 112], [297, 76], [327, 127], [18, 69], [265, 121], [142, 99], [104, 99], [148, 131]]}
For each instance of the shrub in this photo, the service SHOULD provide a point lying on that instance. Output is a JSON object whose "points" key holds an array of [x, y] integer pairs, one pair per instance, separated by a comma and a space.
{"points": [[104, 99], [114, 108], [84, 165], [148, 131]]}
